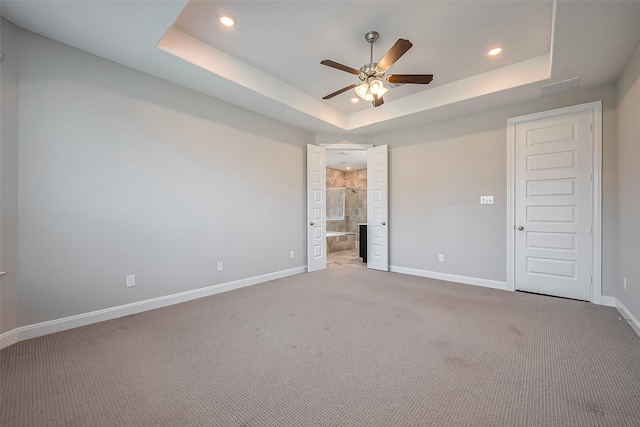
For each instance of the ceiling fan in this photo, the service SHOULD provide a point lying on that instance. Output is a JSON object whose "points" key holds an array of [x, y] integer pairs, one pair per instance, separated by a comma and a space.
{"points": [[374, 81]]}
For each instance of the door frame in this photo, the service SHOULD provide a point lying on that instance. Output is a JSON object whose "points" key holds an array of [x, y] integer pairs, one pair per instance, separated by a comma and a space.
{"points": [[596, 256], [340, 146]]}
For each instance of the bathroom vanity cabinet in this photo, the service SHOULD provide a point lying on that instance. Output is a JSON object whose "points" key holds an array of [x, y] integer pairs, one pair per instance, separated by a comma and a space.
{"points": [[362, 241]]}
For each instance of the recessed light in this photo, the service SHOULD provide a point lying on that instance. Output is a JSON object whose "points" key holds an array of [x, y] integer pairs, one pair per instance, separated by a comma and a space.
{"points": [[227, 21], [495, 51], [355, 99], [348, 168]]}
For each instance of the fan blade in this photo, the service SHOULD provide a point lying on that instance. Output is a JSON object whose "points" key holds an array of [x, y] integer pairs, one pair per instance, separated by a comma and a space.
{"points": [[333, 64], [338, 92], [377, 101], [421, 79], [396, 51]]}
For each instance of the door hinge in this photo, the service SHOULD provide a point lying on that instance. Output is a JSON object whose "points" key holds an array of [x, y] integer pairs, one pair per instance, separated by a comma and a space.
{"points": [[591, 279], [591, 126], [591, 229]]}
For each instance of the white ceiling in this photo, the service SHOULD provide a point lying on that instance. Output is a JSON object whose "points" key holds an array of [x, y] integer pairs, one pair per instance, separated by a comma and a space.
{"points": [[346, 159], [318, 31], [270, 62]]}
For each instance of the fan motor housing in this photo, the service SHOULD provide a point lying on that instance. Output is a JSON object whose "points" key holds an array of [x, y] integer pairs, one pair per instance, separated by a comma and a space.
{"points": [[370, 70]]}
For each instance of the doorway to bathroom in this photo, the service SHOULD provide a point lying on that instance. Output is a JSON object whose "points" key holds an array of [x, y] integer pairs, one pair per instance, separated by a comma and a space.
{"points": [[355, 223], [346, 196]]}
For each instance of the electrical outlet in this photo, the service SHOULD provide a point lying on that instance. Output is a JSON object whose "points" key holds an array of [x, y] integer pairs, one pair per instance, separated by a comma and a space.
{"points": [[220, 265], [624, 283], [131, 280], [292, 254], [441, 257]]}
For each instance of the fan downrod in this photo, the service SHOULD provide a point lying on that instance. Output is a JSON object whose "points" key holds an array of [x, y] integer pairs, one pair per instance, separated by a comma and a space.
{"points": [[369, 70]]}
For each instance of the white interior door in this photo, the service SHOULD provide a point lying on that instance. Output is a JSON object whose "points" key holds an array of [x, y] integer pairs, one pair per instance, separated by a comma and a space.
{"points": [[316, 208], [377, 208], [553, 205]]}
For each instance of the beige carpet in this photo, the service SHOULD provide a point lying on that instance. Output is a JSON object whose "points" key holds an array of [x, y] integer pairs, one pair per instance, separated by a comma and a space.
{"points": [[344, 347]]}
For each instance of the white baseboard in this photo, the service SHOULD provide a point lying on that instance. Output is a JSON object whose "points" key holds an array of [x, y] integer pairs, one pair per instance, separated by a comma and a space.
{"points": [[8, 338], [634, 323], [624, 311], [486, 283], [604, 299], [608, 301], [31, 331]]}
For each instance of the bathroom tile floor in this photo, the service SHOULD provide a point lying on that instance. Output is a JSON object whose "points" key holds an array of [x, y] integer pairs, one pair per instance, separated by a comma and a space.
{"points": [[345, 259]]}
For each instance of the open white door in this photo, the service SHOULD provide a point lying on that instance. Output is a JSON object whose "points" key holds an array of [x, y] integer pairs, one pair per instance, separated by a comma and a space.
{"points": [[316, 208], [377, 209]]}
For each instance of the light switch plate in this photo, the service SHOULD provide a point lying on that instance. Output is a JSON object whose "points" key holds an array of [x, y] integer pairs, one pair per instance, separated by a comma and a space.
{"points": [[486, 200]]}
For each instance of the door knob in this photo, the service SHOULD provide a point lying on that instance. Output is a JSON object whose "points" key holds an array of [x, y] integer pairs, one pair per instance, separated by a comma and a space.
{"points": [[384, 223], [311, 223], [520, 228]]}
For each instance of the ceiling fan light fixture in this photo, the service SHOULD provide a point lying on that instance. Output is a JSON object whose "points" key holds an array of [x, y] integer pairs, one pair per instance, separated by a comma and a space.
{"points": [[377, 87], [364, 92], [373, 75], [362, 89]]}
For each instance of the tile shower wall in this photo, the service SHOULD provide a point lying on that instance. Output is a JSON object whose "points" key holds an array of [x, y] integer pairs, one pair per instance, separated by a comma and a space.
{"points": [[335, 179], [356, 179], [355, 198], [355, 208]]}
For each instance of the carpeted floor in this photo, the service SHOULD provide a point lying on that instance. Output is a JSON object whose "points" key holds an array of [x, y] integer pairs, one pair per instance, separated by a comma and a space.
{"points": [[342, 347]]}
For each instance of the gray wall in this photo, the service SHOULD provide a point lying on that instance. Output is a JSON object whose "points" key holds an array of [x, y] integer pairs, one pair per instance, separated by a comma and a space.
{"points": [[8, 175], [437, 173], [629, 184], [121, 173]]}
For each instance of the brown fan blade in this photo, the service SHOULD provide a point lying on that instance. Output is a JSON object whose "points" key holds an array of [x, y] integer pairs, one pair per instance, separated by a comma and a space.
{"points": [[338, 92], [421, 79], [333, 64], [396, 51], [377, 101]]}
